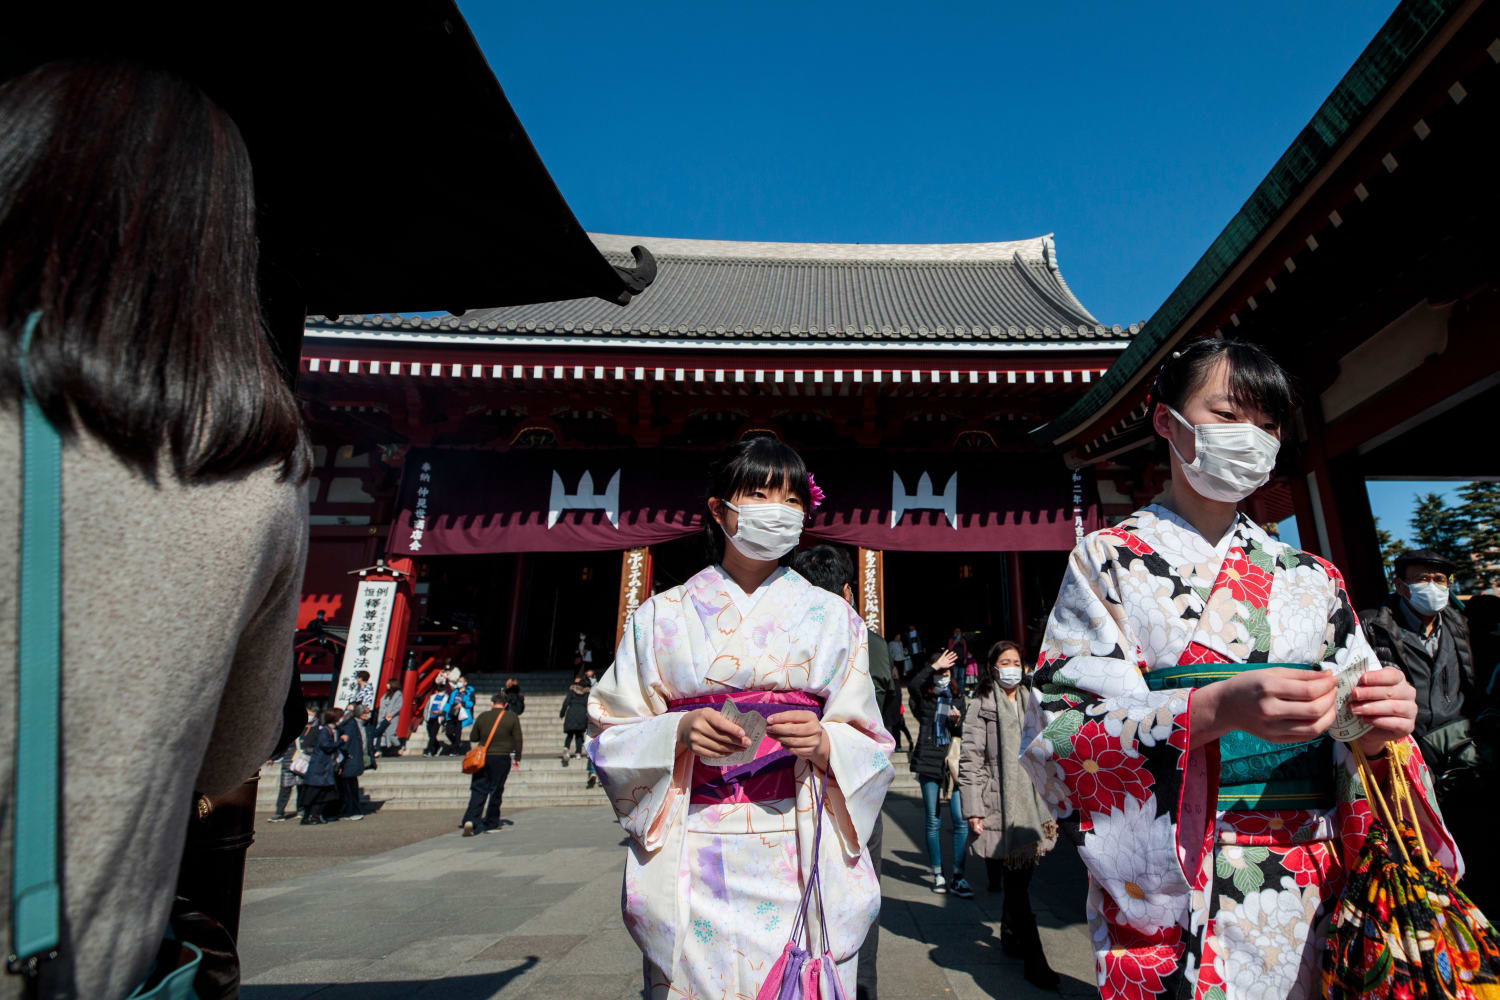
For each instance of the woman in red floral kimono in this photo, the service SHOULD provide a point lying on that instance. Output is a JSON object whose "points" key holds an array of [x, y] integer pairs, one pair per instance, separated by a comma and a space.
{"points": [[1186, 701]]}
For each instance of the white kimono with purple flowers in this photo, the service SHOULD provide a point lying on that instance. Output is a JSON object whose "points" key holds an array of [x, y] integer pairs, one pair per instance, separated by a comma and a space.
{"points": [[712, 889]]}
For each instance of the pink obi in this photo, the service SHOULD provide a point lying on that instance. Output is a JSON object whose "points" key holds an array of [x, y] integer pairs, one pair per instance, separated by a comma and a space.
{"points": [[766, 778]]}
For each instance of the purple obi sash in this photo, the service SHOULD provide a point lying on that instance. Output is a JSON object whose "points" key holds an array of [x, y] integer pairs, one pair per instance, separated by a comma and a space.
{"points": [[766, 778]]}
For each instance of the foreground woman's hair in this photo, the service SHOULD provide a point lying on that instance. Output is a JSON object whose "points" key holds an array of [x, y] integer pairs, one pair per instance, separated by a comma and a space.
{"points": [[127, 220]]}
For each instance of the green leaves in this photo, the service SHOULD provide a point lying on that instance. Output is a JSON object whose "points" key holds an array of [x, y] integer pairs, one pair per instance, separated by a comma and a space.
{"points": [[1259, 627], [1059, 733], [1245, 873], [1258, 556]]}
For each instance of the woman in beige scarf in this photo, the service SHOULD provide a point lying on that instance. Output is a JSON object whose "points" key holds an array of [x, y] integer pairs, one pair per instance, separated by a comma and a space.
{"points": [[1010, 824]]}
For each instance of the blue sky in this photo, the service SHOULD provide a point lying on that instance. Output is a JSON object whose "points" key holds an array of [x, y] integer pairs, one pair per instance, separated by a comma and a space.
{"points": [[1132, 131]]}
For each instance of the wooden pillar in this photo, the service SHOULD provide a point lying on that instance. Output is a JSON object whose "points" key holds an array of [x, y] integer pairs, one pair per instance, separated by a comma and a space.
{"points": [[870, 579], [635, 586], [395, 640], [1017, 599], [513, 621], [1339, 504]]}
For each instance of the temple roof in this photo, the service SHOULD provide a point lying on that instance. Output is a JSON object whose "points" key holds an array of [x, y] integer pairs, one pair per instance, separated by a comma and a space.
{"points": [[731, 290]]}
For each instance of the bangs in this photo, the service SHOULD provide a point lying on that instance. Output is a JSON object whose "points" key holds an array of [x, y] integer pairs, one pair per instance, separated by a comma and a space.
{"points": [[760, 462], [1256, 380]]}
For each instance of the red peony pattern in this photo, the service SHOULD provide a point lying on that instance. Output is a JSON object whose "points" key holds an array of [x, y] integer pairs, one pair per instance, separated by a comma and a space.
{"points": [[1130, 540], [1195, 652], [1100, 773], [1134, 969], [1245, 581], [1307, 864]]}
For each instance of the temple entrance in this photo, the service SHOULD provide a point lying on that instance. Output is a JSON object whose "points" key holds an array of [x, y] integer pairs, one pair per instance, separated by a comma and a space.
{"points": [[526, 609]]}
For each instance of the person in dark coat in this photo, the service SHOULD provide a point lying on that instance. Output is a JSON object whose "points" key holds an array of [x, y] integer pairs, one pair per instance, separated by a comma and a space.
{"points": [[504, 752], [937, 702], [515, 701], [575, 716], [1420, 630], [352, 741], [321, 744]]}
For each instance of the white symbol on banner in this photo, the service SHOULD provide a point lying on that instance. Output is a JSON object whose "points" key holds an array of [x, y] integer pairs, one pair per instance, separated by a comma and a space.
{"points": [[585, 498], [924, 498]]}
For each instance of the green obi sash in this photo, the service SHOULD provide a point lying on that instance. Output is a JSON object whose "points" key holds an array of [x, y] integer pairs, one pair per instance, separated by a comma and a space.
{"points": [[1253, 773]]}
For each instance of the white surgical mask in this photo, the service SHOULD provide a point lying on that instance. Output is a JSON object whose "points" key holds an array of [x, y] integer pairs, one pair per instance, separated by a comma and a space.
{"points": [[1230, 462], [1427, 598], [1008, 677], [767, 531]]}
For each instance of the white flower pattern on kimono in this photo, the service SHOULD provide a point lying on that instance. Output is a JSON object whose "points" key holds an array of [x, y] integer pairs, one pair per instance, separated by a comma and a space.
{"points": [[1264, 939], [1129, 851], [1153, 613]]}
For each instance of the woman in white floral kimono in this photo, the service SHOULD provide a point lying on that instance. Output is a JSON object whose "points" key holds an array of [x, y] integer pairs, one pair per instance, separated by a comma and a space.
{"points": [[718, 855], [1184, 698]]}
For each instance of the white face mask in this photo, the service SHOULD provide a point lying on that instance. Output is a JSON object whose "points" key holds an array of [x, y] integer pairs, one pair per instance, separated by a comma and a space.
{"points": [[767, 531], [1231, 461], [1008, 677], [1427, 598]]}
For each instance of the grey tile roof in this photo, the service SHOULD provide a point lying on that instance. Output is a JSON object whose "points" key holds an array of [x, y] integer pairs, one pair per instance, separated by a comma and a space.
{"points": [[792, 291]]}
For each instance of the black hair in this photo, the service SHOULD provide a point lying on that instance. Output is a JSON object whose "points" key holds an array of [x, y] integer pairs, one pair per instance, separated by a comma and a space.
{"points": [[1255, 378], [751, 463], [953, 685], [826, 566], [987, 683], [127, 225]]}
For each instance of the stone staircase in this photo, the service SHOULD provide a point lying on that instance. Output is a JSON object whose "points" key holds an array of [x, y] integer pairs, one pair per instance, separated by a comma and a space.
{"points": [[413, 781]]}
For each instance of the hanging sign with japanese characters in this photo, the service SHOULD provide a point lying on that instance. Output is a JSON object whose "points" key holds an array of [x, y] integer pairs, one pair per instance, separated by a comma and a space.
{"points": [[368, 626], [871, 595], [635, 586]]}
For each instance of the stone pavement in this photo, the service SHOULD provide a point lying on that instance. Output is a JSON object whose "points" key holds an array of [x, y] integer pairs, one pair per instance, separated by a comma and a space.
{"points": [[532, 913]]}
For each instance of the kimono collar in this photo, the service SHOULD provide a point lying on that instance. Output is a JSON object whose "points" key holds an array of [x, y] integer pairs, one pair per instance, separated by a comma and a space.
{"points": [[1241, 529]]}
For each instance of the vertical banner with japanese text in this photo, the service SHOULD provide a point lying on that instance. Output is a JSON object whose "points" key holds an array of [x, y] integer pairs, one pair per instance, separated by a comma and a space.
{"points": [[367, 633], [871, 575], [635, 586]]}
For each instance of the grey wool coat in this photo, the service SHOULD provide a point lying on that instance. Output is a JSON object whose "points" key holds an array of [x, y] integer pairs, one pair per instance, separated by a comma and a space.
{"points": [[1017, 825]]}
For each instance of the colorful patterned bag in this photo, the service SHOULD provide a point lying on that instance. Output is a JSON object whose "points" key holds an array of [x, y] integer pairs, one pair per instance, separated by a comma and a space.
{"points": [[1403, 930], [796, 974]]}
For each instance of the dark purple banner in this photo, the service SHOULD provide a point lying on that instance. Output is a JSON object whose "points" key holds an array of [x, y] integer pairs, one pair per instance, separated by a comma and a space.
{"points": [[466, 502]]}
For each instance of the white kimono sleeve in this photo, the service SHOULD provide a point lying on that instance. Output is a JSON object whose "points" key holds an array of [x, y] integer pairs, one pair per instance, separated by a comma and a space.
{"points": [[642, 766]]}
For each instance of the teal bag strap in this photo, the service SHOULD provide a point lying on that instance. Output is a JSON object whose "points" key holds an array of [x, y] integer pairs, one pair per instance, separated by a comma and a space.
{"points": [[36, 896]]}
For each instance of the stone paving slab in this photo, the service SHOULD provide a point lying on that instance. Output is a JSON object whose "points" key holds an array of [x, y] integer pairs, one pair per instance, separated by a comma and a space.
{"points": [[532, 913]]}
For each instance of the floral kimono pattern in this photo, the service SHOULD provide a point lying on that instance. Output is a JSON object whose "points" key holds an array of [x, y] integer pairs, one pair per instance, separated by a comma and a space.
{"points": [[1187, 899], [711, 890]]}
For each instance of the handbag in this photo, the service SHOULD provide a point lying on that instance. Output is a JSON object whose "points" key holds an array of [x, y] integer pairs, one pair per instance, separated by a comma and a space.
{"points": [[300, 760], [36, 892], [473, 761], [1402, 929], [796, 975]]}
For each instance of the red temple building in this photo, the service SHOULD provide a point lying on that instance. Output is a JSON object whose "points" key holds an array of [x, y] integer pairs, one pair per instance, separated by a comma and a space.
{"points": [[540, 469]]}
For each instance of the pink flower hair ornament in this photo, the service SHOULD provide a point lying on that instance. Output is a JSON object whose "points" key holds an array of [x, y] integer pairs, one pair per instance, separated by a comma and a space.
{"points": [[815, 491]]}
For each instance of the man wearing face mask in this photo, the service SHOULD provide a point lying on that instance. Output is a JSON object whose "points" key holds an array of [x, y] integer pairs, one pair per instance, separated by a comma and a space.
{"points": [[1419, 629]]}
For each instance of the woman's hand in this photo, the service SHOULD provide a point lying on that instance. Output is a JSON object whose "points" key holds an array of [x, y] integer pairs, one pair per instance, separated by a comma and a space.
{"points": [[976, 825], [1384, 699], [707, 733], [946, 660], [801, 733], [954, 716], [1278, 704]]}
